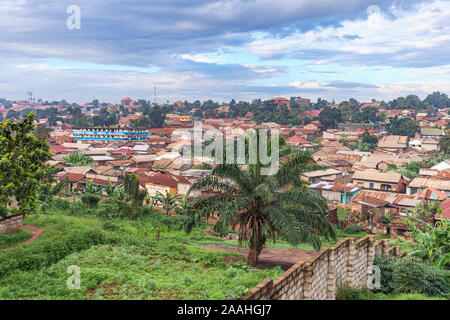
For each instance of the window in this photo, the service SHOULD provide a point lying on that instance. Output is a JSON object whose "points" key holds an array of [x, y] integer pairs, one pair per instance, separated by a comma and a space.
{"points": [[371, 186]]}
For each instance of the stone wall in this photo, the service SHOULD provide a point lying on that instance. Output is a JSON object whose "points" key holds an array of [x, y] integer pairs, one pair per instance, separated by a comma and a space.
{"points": [[11, 225], [349, 261]]}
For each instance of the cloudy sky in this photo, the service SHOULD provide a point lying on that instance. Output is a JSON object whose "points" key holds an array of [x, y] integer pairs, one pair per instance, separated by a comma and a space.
{"points": [[223, 49]]}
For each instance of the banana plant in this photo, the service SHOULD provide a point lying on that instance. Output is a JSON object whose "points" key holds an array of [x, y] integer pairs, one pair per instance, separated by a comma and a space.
{"points": [[433, 244]]}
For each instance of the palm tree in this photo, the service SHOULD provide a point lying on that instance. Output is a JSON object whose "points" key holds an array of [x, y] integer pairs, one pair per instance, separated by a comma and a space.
{"points": [[263, 206]]}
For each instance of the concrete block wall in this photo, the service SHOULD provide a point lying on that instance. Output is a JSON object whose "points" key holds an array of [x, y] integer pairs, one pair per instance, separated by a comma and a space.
{"points": [[11, 225], [318, 279]]}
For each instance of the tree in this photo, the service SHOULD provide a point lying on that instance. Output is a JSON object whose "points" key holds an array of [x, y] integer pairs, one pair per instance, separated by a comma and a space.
{"points": [[330, 117], [370, 139], [438, 100], [41, 132], [91, 200], [403, 127], [77, 159], [133, 194], [261, 206], [22, 169], [445, 144], [167, 200]]}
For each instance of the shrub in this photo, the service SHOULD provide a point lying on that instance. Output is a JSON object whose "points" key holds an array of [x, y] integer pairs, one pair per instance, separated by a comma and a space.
{"points": [[414, 277], [345, 292], [353, 229], [91, 200], [410, 276], [59, 203]]}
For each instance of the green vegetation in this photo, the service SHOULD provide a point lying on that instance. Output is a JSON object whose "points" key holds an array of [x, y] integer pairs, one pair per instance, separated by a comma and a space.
{"points": [[411, 170], [264, 206], [433, 244], [403, 279], [22, 158], [330, 117], [10, 239], [122, 259], [411, 276], [347, 293], [353, 229], [403, 127], [78, 159]]}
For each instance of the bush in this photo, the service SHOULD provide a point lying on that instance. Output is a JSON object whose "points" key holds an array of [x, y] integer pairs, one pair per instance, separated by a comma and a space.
{"points": [[345, 292], [353, 229], [91, 200], [59, 203], [414, 277], [410, 276], [108, 209]]}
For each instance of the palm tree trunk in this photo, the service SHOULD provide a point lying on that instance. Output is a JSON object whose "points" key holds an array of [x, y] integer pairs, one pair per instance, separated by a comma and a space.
{"points": [[252, 258]]}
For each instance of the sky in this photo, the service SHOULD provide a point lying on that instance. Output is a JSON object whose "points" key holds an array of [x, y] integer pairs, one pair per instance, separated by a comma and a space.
{"points": [[224, 49]]}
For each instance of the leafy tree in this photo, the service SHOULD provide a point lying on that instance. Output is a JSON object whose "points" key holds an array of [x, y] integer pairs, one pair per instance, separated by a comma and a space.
{"points": [[49, 189], [263, 206], [78, 159], [368, 138], [403, 127], [133, 195], [91, 200], [22, 169], [445, 144], [346, 110], [41, 132], [438, 100], [330, 117]]}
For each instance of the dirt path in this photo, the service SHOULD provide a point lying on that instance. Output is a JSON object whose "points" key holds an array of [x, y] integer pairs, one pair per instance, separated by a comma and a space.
{"points": [[270, 257], [36, 233]]}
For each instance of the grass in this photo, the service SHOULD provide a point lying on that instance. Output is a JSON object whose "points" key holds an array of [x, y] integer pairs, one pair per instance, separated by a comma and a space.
{"points": [[11, 239], [121, 259]]}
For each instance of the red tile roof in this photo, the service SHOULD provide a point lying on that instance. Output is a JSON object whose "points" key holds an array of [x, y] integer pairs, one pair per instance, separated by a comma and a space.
{"points": [[445, 206], [297, 139], [163, 179], [71, 177]]}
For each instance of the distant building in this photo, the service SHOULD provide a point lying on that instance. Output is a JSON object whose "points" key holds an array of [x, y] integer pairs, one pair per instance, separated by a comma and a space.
{"points": [[281, 101], [393, 143], [110, 134], [302, 101], [335, 192], [381, 181], [433, 133]]}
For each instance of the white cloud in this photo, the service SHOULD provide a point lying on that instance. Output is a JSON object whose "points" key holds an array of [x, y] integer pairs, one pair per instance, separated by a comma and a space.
{"points": [[406, 37]]}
